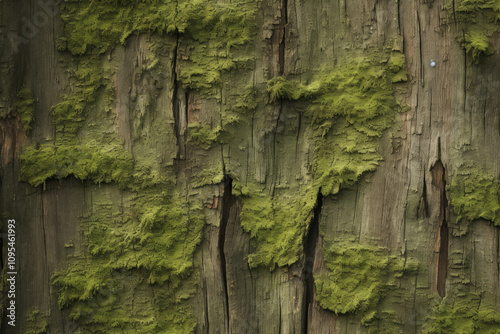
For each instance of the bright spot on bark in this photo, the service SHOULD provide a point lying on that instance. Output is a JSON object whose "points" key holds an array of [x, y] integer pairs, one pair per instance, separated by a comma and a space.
{"points": [[433, 63]]}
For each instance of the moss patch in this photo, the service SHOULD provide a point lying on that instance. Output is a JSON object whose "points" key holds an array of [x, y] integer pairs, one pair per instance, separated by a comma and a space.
{"points": [[25, 109], [357, 277], [351, 106], [90, 161], [464, 314], [278, 224], [215, 31], [474, 194], [143, 253], [480, 20], [36, 322]]}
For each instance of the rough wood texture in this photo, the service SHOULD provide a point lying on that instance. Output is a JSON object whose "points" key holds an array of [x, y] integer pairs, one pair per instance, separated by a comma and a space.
{"points": [[404, 206]]}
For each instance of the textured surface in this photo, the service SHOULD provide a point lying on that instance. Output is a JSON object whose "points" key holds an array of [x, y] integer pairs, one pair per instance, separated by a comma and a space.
{"points": [[208, 171]]}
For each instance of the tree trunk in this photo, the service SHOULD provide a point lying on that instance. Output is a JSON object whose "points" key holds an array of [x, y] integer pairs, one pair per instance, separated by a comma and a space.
{"points": [[211, 141]]}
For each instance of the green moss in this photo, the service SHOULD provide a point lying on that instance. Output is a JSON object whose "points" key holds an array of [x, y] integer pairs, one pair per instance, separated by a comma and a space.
{"points": [[202, 135], [479, 19], [36, 322], [147, 250], [351, 107], [281, 89], [358, 276], [89, 161], [206, 177], [215, 31], [277, 223], [88, 79], [463, 314], [25, 109], [474, 195]]}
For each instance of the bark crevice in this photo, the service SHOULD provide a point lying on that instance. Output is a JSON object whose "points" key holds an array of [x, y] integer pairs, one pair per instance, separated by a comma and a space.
{"points": [[179, 105], [310, 247], [228, 201], [439, 181]]}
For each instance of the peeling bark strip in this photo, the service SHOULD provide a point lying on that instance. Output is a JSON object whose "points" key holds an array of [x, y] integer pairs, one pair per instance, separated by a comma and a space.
{"points": [[438, 180], [310, 244]]}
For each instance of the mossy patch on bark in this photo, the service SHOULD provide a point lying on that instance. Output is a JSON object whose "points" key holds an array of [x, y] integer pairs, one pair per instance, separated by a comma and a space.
{"points": [[465, 314], [479, 20], [215, 31], [357, 276], [351, 105], [25, 109], [36, 322], [474, 194]]}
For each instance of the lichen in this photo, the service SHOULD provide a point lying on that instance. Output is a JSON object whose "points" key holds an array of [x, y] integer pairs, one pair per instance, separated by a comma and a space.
{"points": [[25, 109], [465, 314], [36, 322], [357, 277], [474, 194]]}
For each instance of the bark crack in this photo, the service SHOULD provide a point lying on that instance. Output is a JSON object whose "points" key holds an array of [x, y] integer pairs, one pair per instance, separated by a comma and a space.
{"points": [[439, 181], [179, 104], [310, 245], [282, 43], [228, 201]]}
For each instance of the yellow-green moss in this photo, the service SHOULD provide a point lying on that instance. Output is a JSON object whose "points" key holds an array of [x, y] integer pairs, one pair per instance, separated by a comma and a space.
{"points": [[202, 135], [89, 161], [277, 223], [357, 278], [36, 322], [25, 109], [351, 106], [465, 315], [475, 194], [146, 250], [215, 31], [479, 19]]}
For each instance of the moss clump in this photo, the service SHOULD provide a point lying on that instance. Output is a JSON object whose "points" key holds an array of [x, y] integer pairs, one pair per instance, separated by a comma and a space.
{"points": [[69, 114], [281, 89], [215, 31], [463, 314], [357, 277], [145, 251], [206, 177], [202, 135], [277, 223], [36, 322], [25, 109], [351, 106], [480, 20], [88, 161], [474, 194]]}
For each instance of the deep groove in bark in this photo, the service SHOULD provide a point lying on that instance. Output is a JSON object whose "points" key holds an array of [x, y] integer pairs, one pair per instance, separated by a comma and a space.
{"points": [[311, 241], [228, 201], [176, 103], [283, 22], [438, 180]]}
